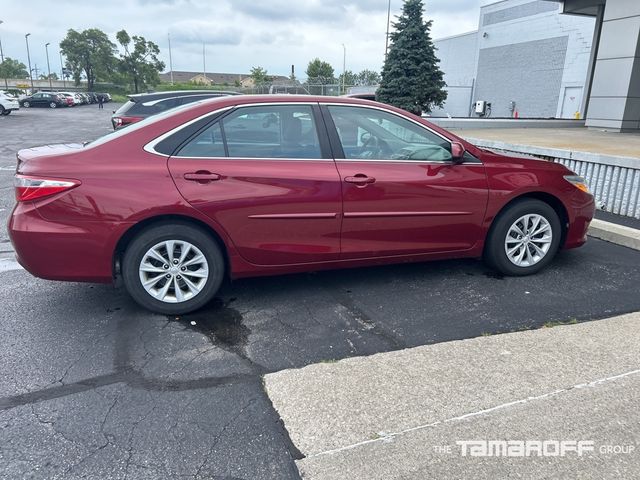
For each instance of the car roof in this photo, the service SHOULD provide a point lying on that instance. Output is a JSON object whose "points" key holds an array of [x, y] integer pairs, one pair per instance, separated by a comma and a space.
{"points": [[147, 97]]}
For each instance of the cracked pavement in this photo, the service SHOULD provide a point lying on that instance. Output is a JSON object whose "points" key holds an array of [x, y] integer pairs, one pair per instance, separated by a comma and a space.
{"points": [[92, 386]]}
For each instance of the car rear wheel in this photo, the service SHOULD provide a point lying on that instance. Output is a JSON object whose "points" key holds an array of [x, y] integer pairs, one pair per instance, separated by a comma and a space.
{"points": [[173, 269], [26, 104], [5, 112], [53, 104], [524, 238]]}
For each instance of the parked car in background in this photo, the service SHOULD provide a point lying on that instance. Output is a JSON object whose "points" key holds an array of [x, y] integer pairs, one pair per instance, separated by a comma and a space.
{"points": [[70, 99], [260, 185], [8, 103], [44, 99], [144, 105]]}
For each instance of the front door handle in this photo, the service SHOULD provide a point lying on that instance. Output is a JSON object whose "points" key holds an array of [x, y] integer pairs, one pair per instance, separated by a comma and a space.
{"points": [[360, 179], [202, 176]]}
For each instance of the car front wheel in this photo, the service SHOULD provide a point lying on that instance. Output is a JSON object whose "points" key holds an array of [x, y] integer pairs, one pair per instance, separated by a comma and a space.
{"points": [[53, 104], [26, 104], [524, 238], [173, 269]]}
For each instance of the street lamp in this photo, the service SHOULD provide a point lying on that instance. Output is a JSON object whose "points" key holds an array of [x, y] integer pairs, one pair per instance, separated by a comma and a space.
{"points": [[46, 47], [386, 42], [170, 61], [64, 81], [26, 39], [344, 68], [6, 85]]}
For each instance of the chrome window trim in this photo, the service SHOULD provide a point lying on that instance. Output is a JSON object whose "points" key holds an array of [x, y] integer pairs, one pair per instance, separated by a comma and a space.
{"points": [[149, 147], [272, 159], [375, 107]]}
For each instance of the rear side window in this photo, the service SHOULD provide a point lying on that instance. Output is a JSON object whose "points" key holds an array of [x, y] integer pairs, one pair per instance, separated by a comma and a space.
{"points": [[280, 131]]}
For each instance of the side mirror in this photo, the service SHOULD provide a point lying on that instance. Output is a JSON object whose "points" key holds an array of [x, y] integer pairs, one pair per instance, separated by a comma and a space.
{"points": [[457, 151]]}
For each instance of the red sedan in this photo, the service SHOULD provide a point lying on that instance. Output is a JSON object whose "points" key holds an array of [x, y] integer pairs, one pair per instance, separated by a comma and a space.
{"points": [[261, 185]]}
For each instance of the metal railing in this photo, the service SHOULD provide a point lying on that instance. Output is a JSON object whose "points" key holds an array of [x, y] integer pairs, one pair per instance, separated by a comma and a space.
{"points": [[614, 181]]}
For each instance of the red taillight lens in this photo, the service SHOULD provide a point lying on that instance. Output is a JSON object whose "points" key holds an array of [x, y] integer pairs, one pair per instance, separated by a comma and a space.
{"points": [[33, 188]]}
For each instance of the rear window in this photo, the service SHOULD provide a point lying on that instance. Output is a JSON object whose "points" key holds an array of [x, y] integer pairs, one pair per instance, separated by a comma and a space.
{"points": [[125, 108]]}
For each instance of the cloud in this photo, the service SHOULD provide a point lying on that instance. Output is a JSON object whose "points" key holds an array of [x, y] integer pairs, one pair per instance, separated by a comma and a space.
{"points": [[239, 34]]}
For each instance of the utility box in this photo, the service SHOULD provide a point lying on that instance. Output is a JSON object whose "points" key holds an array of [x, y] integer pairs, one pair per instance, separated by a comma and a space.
{"points": [[481, 107]]}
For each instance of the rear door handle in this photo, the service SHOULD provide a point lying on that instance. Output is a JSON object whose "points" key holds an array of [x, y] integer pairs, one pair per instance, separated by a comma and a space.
{"points": [[360, 179], [202, 176]]}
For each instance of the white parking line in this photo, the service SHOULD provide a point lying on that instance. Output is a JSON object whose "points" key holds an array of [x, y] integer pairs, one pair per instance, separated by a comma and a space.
{"points": [[8, 167], [9, 264]]}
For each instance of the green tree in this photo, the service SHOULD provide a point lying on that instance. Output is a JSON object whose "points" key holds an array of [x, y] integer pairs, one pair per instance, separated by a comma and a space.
{"points": [[259, 76], [89, 52], [139, 62], [320, 72], [411, 78], [11, 68], [368, 77], [44, 76], [350, 79]]}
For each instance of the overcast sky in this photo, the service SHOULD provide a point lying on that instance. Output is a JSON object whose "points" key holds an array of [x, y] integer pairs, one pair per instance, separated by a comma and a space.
{"points": [[238, 34]]}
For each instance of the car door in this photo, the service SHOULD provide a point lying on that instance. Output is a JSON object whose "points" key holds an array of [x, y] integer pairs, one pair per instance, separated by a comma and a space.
{"points": [[402, 193], [37, 100], [266, 175]]}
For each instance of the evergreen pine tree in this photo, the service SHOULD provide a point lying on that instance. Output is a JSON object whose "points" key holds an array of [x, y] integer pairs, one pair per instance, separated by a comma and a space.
{"points": [[411, 78]]}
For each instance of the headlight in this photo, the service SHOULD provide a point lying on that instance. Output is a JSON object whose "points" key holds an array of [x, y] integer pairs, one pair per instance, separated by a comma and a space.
{"points": [[578, 182]]}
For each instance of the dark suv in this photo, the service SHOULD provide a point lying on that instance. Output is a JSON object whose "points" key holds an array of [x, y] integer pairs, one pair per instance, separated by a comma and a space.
{"points": [[144, 105]]}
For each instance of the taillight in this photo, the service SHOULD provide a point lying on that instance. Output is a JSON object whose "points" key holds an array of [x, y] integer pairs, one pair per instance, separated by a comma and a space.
{"points": [[33, 188]]}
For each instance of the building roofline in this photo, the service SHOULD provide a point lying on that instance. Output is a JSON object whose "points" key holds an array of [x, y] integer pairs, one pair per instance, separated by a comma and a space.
{"points": [[456, 36]]}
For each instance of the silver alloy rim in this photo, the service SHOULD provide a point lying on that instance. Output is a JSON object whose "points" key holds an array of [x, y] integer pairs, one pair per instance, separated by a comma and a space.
{"points": [[528, 240], [173, 271]]}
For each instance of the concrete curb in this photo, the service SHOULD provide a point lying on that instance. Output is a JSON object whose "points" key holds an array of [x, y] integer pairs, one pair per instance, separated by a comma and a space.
{"points": [[618, 234]]}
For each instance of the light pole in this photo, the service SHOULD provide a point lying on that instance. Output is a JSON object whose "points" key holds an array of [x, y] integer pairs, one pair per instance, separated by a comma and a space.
{"points": [[204, 65], [26, 39], [6, 85], [46, 47], [64, 82], [170, 62], [386, 43], [344, 68]]}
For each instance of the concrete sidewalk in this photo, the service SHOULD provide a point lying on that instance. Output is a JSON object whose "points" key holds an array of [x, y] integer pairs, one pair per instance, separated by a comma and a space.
{"points": [[571, 139], [399, 415]]}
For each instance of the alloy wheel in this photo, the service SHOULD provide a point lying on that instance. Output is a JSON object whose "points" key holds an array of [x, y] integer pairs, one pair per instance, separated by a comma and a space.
{"points": [[528, 240], [173, 271]]}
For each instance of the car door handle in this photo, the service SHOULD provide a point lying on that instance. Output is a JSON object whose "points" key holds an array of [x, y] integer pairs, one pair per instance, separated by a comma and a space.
{"points": [[360, 179], [202, 177]]}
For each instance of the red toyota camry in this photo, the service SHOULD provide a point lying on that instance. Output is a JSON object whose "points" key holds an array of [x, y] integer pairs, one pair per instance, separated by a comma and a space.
{"points": [[261, 185]]}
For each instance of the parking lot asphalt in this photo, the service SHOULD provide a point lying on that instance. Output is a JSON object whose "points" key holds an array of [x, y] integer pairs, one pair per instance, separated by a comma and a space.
{"points": [[92, 386]]}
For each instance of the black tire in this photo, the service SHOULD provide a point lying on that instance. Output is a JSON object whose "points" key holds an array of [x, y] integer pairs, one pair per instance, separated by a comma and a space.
{"points": [[172, 231], [26, 104], [2, 110], [494, 252], [53, 105], [6, 112]]}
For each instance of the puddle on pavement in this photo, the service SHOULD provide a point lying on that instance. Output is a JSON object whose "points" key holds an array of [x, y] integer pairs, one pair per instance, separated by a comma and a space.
{"points": [[218, 322]]}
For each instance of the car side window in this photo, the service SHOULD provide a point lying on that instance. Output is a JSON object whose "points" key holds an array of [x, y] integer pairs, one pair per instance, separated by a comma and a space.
{"points": [[367, 133], [274, 131], [208, 143]]}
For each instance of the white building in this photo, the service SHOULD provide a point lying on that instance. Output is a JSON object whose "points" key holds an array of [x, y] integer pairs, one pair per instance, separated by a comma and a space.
{"points": [[526, 59]]}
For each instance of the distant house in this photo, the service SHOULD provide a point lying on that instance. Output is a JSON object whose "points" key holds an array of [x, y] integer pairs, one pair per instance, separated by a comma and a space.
{"points": [[210, 78]]}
